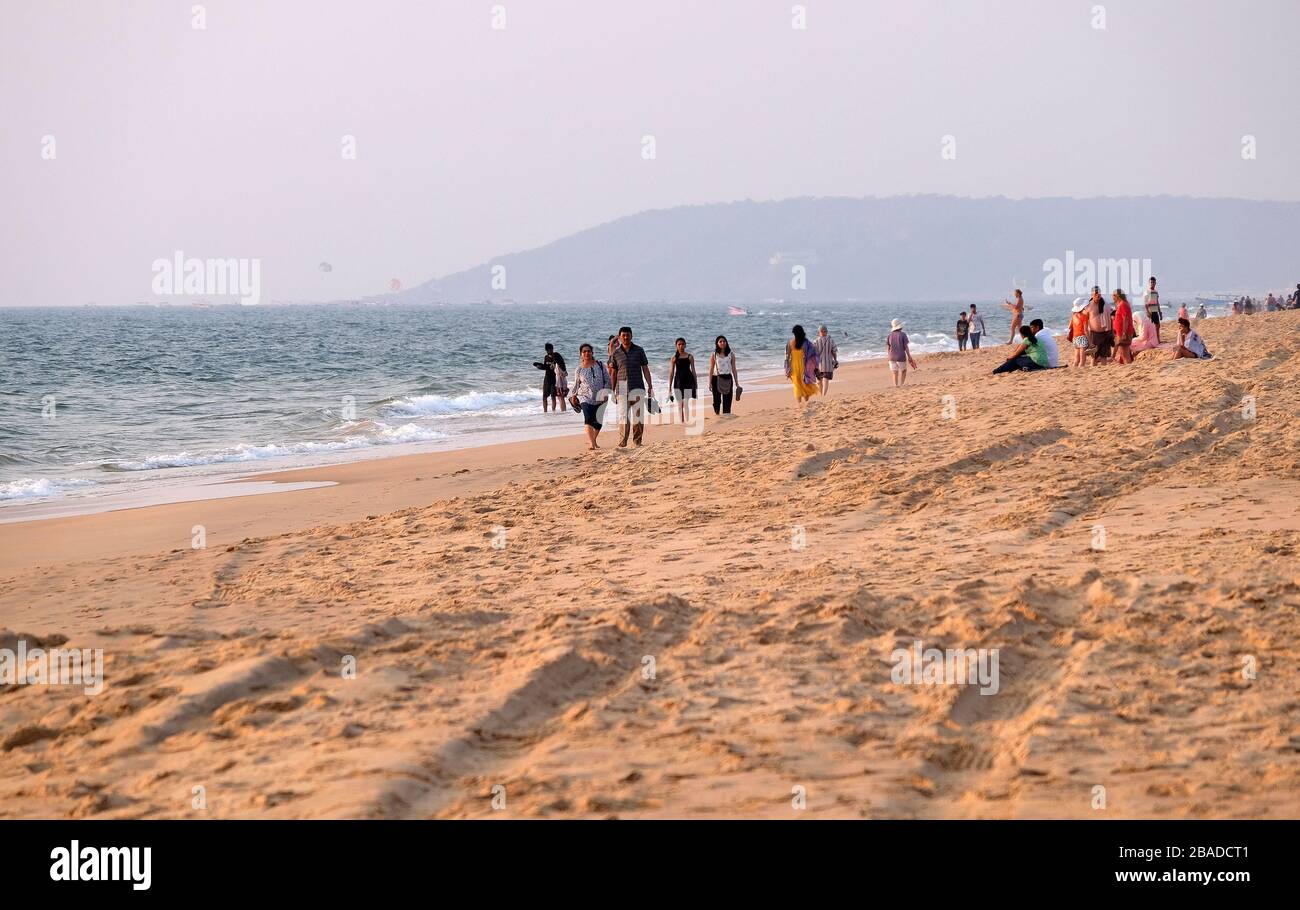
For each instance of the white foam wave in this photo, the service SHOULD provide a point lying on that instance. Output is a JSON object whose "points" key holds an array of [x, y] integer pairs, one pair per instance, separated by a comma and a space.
{"points": [[387, 435], [463, 404], [35, 488]]}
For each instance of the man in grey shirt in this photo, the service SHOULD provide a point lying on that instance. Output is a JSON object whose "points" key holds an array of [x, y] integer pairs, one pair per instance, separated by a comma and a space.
{"points": [[632, 385]]}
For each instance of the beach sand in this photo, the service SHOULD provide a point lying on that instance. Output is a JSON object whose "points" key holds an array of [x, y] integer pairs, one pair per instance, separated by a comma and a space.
{"points": [[647, 641]]}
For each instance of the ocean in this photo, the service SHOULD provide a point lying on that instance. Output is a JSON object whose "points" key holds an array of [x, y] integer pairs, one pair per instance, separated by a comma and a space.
{"points": [[113, 400]]}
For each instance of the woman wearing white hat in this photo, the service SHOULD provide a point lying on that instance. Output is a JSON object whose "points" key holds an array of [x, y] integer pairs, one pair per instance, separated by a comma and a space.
{"points": [[1078, 334], [900, 353]]}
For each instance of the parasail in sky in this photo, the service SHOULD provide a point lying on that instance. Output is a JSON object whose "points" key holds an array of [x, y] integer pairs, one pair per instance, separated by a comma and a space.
{"points": [[325, 267], [395, 285]]}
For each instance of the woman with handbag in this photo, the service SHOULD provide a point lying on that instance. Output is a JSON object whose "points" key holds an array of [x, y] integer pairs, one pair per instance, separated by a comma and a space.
{"points": [[591, 389], [724, 380]]}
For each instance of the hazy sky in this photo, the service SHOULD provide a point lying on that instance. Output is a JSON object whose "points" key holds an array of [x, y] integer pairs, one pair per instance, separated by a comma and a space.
{"points": [[471, 141]]}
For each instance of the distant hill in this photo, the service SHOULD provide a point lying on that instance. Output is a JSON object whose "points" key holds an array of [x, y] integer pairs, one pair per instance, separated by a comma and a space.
{"points": [[897, 248]]}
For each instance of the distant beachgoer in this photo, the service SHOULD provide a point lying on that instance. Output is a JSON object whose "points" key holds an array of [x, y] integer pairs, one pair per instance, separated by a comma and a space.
{"points": [[1078, 332], [591, 389], [1122, 326], [899, 351], [552, 365], [1151, 303], [1270, 304], [801, 365], [975, 322], [1190, 343], [1182, 311], [561, 381], [1101, 337], [1249, 306], [681, 377], [1017, 314], [724, 381], [1044, 337], [828, 358], [632, 384], [963, 330], [1028, 355], [1202, 313]]}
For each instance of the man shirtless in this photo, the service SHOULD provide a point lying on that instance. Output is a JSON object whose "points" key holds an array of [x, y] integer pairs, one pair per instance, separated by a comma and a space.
{"points": [[1101, 337]]}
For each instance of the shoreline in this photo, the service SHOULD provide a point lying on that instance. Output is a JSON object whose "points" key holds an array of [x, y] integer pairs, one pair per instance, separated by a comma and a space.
{"points": [[393, 478], [208, 482], [295, 498], [216, 473]]}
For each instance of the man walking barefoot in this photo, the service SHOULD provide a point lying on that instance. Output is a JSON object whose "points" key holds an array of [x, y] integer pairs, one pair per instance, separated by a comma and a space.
{"points": [[632, 385]]}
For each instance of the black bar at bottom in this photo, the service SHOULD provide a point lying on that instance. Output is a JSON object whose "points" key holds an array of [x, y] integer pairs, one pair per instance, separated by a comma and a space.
{"points": [[332, 859]]}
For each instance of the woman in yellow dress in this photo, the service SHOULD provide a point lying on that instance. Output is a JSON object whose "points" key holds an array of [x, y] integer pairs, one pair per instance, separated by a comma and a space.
{"points": [[801, 365]]}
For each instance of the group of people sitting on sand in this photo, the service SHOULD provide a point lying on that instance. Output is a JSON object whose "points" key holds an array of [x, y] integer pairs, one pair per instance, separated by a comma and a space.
{"points": [[1103, 332]]}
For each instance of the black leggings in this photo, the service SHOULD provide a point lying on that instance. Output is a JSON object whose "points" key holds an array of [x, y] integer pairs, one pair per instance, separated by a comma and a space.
{"points": [[720, 400]]}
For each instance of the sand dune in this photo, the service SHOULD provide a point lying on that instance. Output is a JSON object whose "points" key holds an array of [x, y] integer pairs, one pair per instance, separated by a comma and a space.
{"points": [[650, 642]]}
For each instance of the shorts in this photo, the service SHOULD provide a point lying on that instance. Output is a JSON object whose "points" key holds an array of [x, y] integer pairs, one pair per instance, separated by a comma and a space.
{"points": [[1154, 315], [591, 414], [1101, 341], [548, 386], [897, 366], [825, 374]]}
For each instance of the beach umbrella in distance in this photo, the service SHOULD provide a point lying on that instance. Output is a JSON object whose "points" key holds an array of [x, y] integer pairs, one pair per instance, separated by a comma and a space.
{"points": [[395, 285]]}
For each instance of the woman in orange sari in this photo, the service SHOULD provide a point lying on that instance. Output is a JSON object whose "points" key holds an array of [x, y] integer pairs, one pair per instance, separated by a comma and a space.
{"points": [[801, 365]]}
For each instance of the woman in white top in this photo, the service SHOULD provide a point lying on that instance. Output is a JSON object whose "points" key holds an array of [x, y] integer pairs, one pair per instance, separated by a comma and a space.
{"points": [[591, 391], [724, 380]]}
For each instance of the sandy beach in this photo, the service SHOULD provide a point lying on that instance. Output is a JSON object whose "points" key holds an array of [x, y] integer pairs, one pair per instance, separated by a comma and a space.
{"points": [[704, 627]]}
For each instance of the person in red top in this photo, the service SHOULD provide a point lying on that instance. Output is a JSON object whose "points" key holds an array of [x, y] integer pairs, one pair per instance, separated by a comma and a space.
{"points": [[1122, 324]]}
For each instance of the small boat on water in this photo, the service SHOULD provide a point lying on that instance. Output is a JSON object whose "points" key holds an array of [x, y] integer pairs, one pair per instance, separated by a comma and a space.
{"points": [[737, 311]]}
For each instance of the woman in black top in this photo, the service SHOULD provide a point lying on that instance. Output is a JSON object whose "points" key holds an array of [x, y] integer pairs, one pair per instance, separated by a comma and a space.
{"points": [[681, 377]]}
